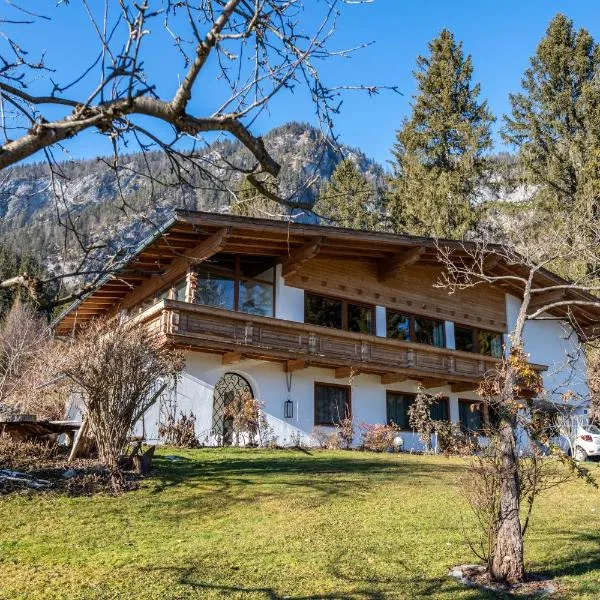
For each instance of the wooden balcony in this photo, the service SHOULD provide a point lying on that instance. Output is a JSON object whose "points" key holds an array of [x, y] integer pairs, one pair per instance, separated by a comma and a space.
{"points": [[298, 345]]}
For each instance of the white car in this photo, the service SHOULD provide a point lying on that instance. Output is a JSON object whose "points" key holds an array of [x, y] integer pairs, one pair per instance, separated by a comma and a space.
{"points": [[587, 442]]}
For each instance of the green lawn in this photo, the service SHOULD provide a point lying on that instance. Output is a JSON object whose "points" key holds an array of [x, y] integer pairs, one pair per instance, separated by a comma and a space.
{"points": [[234, 523]]}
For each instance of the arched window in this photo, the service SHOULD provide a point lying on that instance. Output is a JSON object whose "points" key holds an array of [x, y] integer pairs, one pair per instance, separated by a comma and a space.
{"points": [[230, 386]]}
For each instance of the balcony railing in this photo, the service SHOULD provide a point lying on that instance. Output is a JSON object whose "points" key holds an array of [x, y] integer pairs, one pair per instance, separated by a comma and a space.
{"points": [[222, 331]]}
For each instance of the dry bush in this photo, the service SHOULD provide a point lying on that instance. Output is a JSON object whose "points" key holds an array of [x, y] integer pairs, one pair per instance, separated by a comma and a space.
{"points": [[249, 421], [345, 431], [181, 432], [378, 437], [29, 364], [452, 439], [326, 439], [120, 370], [24, 454]]}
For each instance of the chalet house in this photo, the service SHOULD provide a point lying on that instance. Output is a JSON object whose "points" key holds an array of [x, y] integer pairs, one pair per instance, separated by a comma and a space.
{"points": [[318, 322]]}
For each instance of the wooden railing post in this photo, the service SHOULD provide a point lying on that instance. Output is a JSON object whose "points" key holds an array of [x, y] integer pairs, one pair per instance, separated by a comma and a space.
{"points": [[248, 332], [364, 351], [410, 357], [312, 343], [191, 285]]}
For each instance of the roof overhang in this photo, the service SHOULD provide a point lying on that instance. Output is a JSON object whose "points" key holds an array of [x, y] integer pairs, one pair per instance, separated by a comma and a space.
{"points": [[184, 236]]}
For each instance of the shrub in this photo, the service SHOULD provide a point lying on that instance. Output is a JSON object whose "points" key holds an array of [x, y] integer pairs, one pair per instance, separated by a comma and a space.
{"points": [[345, 432], [181, 432], [326, 439], [453, 440], [378, 437], [249, 420], [20, 454]]}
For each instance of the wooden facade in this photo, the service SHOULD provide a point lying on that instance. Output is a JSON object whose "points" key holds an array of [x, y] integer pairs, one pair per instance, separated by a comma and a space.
{"points": [[395, 272], [298, 345]]}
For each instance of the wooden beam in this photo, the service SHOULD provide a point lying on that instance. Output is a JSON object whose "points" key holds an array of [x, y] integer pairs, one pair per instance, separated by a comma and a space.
{"points": [[489, 262], [230, 358], [544, 298], [463, 386], [390, 267], [432, 382], [388, 378], [215, 243], [346, 372], [296, 258], [294, 365]]}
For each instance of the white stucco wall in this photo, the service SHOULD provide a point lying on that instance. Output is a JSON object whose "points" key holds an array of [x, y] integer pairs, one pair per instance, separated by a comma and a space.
{"points": [[289, 301], [195, 394], [555, 344]]}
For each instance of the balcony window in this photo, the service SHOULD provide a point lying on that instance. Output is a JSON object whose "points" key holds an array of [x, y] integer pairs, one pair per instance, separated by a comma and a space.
{"points": [[179, 290], [242, 283], [490, 343], [410, 328], [464, 338], [398, 326], [429, 331], [480, 341], [338, 314], [332, 403], [215, 290]]}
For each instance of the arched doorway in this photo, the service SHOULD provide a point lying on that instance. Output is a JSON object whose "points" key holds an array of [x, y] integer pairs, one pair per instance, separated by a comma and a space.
{"points": [[229, 386]]}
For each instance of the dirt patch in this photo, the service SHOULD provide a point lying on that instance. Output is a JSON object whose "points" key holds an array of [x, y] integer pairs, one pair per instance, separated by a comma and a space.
{"points": [[477, 576], [42, 467]]}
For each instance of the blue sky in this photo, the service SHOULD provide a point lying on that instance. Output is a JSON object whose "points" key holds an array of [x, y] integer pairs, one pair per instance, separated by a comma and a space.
{"points": [[500, 36]]}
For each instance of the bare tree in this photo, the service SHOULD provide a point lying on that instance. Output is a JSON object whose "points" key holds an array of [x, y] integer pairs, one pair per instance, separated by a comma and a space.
{"points": [[522, 266], [118, 370], [237, 55], [23, 334]]}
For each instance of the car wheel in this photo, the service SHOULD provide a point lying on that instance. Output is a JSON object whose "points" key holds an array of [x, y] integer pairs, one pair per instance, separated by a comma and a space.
{"points": [[580, 454]]}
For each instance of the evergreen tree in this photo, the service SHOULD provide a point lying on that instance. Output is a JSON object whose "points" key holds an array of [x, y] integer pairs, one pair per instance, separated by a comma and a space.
{"points": [[12, 264], [555, 123], [439, 152], [349, 199], [249, 202]]}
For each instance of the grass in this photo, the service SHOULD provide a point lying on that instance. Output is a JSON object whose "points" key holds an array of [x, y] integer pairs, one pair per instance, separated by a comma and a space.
{"points": [[258, 524]]}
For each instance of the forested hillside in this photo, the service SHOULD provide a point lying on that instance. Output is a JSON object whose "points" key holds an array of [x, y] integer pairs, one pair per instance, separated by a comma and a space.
{"points": [[94, 201]]}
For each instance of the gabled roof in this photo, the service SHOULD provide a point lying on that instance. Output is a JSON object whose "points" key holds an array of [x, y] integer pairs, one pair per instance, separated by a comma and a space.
{"points": [[190, 235]]}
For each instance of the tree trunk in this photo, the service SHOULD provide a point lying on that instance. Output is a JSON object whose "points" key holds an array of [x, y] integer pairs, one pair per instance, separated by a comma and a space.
{"points": [[507, 558]]}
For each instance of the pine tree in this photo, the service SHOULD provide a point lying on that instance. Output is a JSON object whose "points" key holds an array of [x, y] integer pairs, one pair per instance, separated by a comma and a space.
{"points": [[349, 199], [250, 202], [555, 122], [439, 152]]}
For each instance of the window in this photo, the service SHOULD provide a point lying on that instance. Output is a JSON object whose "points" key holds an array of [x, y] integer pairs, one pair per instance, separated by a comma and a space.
{"points": [[429, 331], [332, 403], [319, 310], [490, 343], [440, 410], [464, 338], [338, 314], [481, 341], [398, 403], [179, 290], [470, 416], [398, 326], [410, 328], [243, 283]]}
